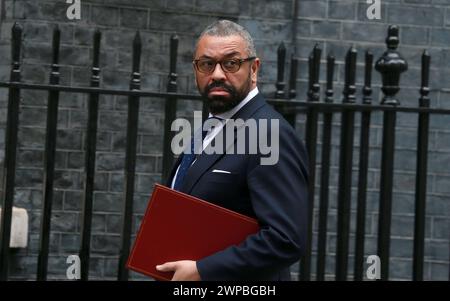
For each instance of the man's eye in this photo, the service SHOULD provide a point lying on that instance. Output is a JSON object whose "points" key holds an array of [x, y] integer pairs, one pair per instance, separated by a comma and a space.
{"points": [[206, 63], [230, 63]]}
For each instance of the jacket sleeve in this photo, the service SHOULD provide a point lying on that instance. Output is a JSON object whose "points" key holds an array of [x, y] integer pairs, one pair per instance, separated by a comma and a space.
{"points": [[279, 198]]}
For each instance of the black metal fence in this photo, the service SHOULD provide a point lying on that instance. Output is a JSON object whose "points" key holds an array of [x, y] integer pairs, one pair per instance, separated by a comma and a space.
{"points": [[390, 65]]}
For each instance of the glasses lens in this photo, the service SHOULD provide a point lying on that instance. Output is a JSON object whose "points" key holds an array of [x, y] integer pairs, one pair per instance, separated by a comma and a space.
{"points": [[231, 65], [205, 65]]}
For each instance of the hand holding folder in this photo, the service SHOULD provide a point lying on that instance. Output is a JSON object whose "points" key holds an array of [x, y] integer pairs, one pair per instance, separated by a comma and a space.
{"points": [[177, 226]]}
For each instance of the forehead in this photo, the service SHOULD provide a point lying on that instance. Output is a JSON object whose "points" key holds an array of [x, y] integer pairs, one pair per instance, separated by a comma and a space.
{"points": [[216, 46]]}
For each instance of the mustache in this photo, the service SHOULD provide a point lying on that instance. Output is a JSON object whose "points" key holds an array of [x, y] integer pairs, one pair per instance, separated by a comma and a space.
{"points": [[219, 85]]}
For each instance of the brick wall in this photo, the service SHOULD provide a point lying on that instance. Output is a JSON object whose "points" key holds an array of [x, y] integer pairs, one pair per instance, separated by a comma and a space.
{"points": [[335, 25]]}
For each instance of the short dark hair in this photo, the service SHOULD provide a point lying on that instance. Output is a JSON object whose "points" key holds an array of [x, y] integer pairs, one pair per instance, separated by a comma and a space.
{"points": [[225, 28]]}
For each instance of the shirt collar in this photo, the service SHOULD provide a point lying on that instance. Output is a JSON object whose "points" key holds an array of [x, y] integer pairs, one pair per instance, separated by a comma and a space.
{"points": [[228, 114]]}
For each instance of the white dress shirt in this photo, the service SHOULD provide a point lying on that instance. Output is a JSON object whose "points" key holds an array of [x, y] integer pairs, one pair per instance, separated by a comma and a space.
{"points": [[225, 116]]}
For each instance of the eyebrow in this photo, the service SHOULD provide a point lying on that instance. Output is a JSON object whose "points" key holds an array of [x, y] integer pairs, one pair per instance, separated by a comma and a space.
{"points": [[233, 53]]}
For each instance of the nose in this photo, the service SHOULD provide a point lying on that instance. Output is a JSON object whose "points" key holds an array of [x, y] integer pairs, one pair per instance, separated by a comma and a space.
{"points": [[218, 74]]}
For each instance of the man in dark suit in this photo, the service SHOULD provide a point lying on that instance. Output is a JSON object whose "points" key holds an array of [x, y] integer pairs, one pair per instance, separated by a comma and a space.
{"points": [[274, 193]]}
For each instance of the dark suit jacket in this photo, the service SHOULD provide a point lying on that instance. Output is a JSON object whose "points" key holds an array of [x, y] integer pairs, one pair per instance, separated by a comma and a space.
{"points": [[276, 195]]}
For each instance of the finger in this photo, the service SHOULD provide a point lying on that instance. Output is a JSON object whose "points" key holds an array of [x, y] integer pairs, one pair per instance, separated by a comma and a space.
{"points": [[167, 267]]}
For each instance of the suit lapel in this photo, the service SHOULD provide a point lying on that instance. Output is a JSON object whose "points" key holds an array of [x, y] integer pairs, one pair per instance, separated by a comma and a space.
{"points": [[205, 161]]}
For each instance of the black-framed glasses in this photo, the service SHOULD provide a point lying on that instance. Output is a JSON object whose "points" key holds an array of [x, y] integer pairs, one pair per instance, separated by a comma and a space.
{"points": [[206, 65]]}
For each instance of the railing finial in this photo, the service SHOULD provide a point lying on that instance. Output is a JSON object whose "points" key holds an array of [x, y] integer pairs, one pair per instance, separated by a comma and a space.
{"points": [[16, 43], [391, 65], [314, 73], [424, 87], [392, 40], [172, 83], [293, 77], [280, 74]]}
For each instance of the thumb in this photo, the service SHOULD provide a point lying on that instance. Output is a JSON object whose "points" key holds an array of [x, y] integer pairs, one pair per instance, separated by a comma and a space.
{"points": [[166, 267]]}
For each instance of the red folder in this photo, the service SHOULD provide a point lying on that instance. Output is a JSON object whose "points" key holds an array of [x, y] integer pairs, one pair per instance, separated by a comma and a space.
{"points": [[177, 226]]}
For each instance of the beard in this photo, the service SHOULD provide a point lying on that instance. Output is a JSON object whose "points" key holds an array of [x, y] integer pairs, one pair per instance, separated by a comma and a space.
{"points": [[219, 104]]}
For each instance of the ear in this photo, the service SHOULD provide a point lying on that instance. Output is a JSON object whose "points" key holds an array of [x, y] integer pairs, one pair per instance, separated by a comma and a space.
{"points": [[254, 70]]}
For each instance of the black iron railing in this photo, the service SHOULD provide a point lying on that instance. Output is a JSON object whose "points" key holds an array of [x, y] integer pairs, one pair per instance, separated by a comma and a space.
{"points": [[390, 65]]}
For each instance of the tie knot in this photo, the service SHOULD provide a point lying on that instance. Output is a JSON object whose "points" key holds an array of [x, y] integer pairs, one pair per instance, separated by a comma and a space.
{"points": [[210, 123], [214, 119]]}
